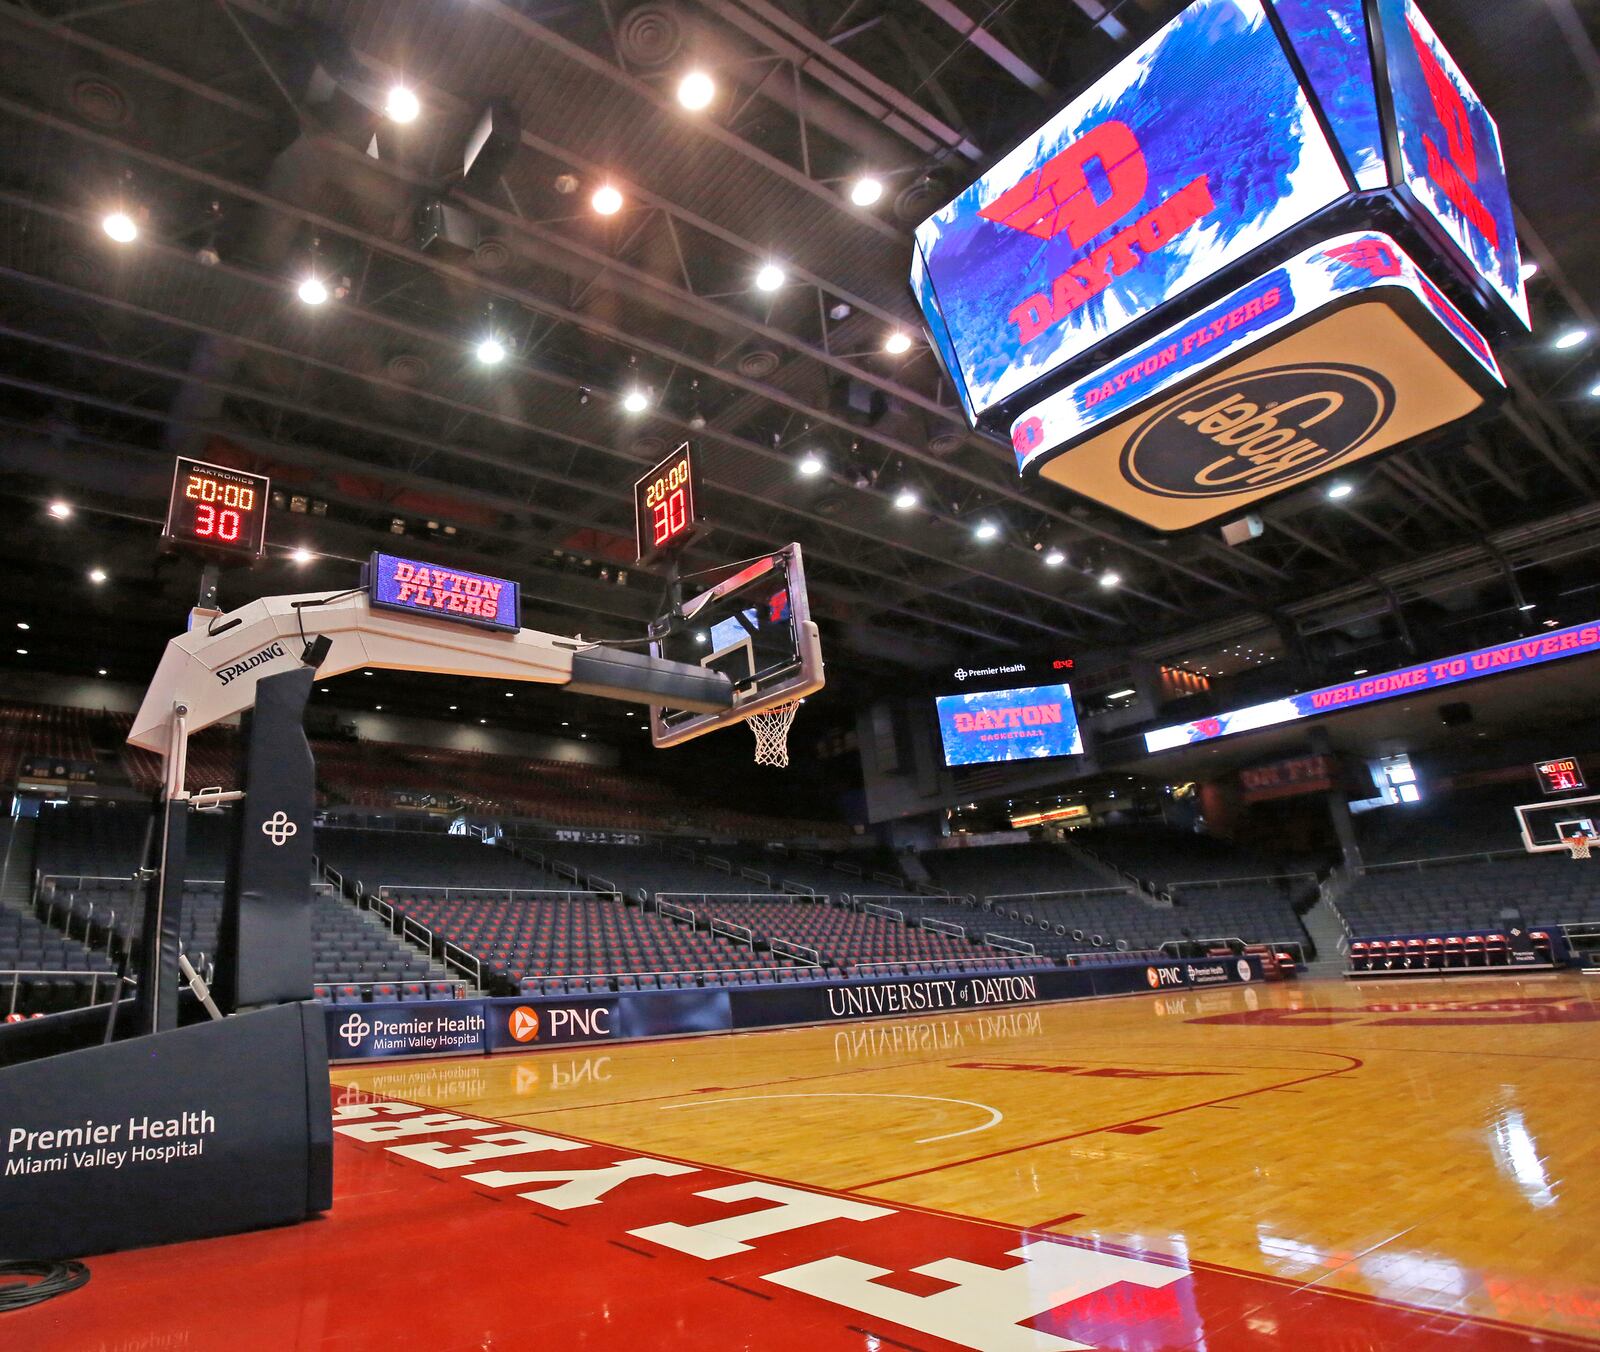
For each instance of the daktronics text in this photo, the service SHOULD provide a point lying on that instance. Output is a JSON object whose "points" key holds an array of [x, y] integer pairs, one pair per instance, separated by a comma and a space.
{"points": [[1059, 196]]}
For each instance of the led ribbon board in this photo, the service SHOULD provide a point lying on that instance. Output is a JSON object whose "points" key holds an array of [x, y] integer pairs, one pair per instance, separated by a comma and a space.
{"points": [[443, 593], [1191, 152], [217, 511], [1345, 351], [1558, 643]]}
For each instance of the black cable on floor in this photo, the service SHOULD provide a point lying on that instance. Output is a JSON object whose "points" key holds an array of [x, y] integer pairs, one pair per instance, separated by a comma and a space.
{"points": [[54, 1279]]}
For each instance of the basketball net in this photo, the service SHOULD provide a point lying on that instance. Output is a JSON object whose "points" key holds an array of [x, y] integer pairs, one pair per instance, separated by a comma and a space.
{"points": [[1579, 845], [771, 728]]}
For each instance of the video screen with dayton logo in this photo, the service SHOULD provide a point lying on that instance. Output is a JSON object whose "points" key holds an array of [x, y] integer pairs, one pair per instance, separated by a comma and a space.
{"points": [[1188, 154], [1030, 723]]}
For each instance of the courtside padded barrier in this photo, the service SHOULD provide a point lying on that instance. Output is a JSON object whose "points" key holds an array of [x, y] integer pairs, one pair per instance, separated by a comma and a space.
{"points": [[207, 1130], [473, 1027]]}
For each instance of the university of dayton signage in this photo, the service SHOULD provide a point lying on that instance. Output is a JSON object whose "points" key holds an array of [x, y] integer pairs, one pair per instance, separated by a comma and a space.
{"points": [[1290, 778]]}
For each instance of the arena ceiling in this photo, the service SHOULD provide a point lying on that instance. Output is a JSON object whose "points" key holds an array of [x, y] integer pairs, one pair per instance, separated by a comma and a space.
{"points": [[215, 123]]}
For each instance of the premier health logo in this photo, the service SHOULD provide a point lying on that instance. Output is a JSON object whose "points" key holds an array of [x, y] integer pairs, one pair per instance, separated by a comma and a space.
{"points": [[354, 1029]]}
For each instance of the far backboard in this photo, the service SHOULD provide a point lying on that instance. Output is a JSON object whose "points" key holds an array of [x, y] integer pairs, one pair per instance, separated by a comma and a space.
{"points": [[1547, 827]]}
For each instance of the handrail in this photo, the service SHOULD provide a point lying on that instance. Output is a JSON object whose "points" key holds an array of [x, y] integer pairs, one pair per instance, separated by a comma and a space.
{"points": [[887, 912], [677, 912], [966, 963], [1065, 894], [469, 963], [790, 949], [1005, 941], [524, 894], [741, 934], [1293, 945], [1244, 878], [1395, 865], [942, 927], [775, 898], [527, 981]]}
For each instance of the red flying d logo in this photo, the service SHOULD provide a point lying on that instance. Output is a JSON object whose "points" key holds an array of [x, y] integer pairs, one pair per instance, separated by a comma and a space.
{"points": [[1057, 196]]}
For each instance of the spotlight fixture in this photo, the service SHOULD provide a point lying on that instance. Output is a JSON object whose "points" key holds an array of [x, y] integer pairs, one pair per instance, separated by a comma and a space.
{"points": [[866, 190], [22, 652], [453, 708], [1528, 605], [1594, 391], [1529, 270], [401, 105], [120, 226], [97, 575], [22, 624], [302, 555], [101, 672], [905, 499], [1110, 578], [897, 342], [607, 201], [635, 401], [696, 90], [810, 465], [1054, 559], [313, 290], [1572, 338], [770, 278], [491, 351], [483, 720], [60, 509], [986, 530], [1338, 491]]}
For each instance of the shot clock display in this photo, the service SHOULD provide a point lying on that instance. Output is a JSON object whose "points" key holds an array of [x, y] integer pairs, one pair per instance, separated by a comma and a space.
{"points": [[217, 511], [663, 505], [1559, 776]]}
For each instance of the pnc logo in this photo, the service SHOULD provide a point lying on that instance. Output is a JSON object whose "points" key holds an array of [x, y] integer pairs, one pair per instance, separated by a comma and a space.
{"points": [[1060, 196], [1257, 430], [1163, 976], [523, 1025]]}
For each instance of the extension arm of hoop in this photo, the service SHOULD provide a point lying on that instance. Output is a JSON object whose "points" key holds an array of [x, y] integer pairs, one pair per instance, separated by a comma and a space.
{"points": [[212, 670]]}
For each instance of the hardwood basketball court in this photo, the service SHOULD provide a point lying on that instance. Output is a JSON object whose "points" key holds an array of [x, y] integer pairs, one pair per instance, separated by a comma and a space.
{"points": [[1319, 1165]]}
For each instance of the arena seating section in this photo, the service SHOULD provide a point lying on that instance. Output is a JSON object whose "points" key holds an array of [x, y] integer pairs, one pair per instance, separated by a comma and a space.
{"points": [[1453, 864]]}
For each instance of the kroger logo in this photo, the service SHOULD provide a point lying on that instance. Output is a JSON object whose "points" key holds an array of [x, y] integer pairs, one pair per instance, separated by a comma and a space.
{"points": [[1257, 430], [354, 1029]]}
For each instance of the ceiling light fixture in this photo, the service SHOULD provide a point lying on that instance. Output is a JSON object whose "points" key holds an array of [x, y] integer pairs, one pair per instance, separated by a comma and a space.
{"points": [[905, 499], [1529, 270], [1338, 491], [60, 509], [696, 90], [97, 575], [1054, 559], [1110, 578], [1572, 338], [401, 105], [866, 190], [635, 401], [896, 343], [1127, 693], [606, 200], [312, 290], [491, 351], [810, 464], [22, 624], [101, 672], [770, 278], [986, 530], [120, 226]]}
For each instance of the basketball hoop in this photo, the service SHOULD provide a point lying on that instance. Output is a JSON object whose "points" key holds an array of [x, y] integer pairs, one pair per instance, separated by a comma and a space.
{"points": [[1579, 846], [771, 728]]}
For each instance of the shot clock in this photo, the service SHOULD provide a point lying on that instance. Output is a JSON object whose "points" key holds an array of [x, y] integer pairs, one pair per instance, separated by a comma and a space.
{"points": [[1559, 776], [664, 506], [216, 511]]}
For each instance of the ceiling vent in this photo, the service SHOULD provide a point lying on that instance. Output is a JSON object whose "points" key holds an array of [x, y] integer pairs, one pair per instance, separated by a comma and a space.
{"points": [[758, 363], [946, 443], [491, 255], [650, 35], [919, 199], [99, 101], [407, 368]]}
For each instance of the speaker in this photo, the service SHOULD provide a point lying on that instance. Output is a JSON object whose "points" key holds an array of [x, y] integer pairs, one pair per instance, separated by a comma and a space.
{"points": [[857, 401], [444, 230], [489, 149], [1245, 528], [1456, 715]]}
